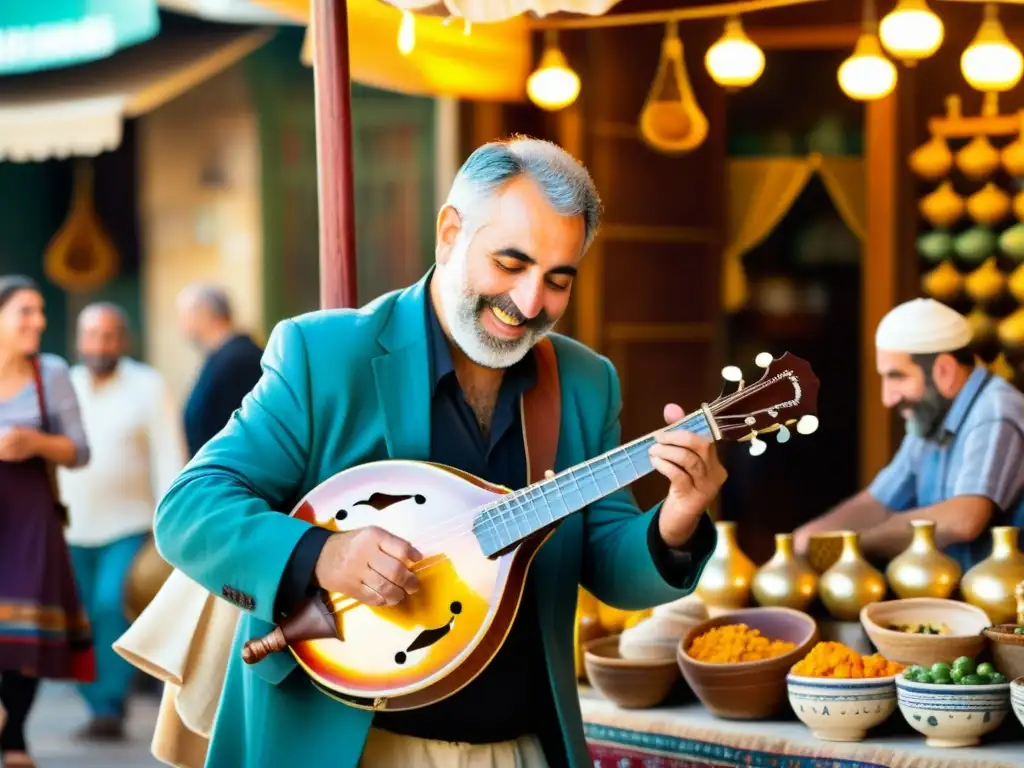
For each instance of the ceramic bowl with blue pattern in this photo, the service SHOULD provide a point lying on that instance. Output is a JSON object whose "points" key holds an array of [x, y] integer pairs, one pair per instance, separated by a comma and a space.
{"points": [[837, 709], [952, 715]]}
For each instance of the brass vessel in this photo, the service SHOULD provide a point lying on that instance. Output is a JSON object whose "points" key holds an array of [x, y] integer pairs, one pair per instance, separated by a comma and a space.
{"points": [[725, 582], [587, 627], [922, 570], [851, 583], [785, 580], [990, 585]]}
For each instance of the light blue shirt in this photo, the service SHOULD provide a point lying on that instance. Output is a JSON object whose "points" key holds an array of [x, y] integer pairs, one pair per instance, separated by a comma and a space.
{"points": [[978, 452]]}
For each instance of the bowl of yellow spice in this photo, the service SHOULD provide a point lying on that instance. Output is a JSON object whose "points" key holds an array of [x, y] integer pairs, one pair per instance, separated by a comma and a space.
{"points": [[736, 663], [839, 694]]}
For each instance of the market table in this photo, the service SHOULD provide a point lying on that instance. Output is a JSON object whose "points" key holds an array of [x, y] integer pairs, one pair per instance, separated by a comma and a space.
{"points": [[685, 735]]}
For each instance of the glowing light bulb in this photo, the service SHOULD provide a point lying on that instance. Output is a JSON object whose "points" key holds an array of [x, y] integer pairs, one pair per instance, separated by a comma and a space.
{"points": [[911, 31], [406, 34], [553, 85], [991, 62], [734, 61], [867, 75]]}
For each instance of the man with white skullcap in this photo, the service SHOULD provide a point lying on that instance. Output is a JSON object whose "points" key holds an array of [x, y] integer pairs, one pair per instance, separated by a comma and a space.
{"points": [[960, 462]]}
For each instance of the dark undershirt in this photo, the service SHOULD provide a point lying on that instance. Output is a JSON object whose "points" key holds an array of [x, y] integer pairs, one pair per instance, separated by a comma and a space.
{"points": [[512, 696]]}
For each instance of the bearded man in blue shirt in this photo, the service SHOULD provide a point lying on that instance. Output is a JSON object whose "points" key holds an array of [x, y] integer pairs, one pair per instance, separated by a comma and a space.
{"points": [[434, 372], [959, 464]]}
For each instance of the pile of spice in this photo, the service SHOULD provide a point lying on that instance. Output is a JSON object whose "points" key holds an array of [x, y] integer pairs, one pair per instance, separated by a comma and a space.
{"points": [[836, 660], [734, 643]]}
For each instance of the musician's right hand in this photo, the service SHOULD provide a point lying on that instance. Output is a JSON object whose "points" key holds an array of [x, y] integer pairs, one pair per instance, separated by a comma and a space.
{"points": [[368, 564]]}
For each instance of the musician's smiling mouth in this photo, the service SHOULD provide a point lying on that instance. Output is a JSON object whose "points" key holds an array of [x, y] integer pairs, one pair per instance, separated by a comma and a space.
{"points": [[428, 637]]}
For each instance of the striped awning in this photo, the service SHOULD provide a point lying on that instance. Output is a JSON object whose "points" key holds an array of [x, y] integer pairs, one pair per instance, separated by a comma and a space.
{"points": [[81, 110]]}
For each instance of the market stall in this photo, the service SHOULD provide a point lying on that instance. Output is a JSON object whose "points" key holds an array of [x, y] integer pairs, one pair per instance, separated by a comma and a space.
{"points": [[805, 662], [688, 736]]}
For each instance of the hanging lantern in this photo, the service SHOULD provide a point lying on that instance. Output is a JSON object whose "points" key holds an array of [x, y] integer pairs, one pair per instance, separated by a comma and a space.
{"points": [[867, 75], [553, 85], [991, 63], [734, 61], [911, 31]]}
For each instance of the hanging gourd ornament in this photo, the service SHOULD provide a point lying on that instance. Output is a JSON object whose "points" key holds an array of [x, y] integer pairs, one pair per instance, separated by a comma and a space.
{"points": [[932, 160], [81, 256], [986, 283], [978, 158], [671, 122], [943, 207], [943, 283], [989, 205]]}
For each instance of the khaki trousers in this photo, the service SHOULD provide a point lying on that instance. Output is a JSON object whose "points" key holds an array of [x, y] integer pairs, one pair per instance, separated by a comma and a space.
{"points": [[388, 750]]}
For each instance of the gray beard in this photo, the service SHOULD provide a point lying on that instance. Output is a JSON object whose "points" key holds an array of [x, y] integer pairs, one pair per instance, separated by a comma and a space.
{"points": [[928, 413]]}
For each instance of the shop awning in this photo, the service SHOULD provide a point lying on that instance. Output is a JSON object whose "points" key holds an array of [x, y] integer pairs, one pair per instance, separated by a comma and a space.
{"points": [[81, 110], [43, 34], [227, 11], [491, 63]]}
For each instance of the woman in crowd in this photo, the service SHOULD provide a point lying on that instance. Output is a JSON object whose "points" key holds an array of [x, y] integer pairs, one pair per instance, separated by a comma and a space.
{"points": [[44, 632]]}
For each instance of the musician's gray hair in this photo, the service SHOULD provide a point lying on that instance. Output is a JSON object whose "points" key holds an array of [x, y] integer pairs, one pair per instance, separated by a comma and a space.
{"points": [[566, 184]]}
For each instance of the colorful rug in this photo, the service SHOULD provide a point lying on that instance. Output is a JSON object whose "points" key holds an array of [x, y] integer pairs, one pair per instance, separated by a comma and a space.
{"points": [[621, 748]]}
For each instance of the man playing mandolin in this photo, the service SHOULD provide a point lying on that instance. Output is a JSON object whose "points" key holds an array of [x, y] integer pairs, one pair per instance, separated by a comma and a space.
{"points": [[437, 372]]}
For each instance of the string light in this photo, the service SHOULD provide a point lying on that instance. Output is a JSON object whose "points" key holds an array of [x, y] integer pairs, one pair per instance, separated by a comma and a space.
{"points": [[553, 85], [991, 62], [867, 75], [734, 61], [911, 31]]}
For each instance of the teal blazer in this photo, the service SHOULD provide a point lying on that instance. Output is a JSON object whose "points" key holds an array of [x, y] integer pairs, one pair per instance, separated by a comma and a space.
{"points": [[341, 388]]}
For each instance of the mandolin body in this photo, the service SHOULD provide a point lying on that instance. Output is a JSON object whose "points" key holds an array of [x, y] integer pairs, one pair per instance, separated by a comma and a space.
{"points": [[441, 637]]}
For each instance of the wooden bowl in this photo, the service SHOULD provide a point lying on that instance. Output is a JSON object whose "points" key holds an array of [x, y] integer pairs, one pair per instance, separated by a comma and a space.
{"points": [[753, 689], [629, 683], [966, 622], [823, 549], [1007, 650]]}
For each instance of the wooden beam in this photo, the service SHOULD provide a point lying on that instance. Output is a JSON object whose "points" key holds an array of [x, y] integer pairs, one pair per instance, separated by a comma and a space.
{"points": [[822, 36], [879, 288], [333, 92]]}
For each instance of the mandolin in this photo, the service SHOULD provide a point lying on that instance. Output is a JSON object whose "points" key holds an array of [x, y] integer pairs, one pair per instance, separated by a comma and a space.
{"points": [[478, 540]]}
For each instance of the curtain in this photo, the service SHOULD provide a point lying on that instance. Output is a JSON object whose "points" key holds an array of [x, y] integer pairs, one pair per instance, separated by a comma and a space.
{"points": [[762, 190]]}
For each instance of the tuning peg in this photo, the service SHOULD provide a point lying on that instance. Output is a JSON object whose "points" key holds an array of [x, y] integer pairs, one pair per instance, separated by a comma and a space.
{"points": [[783, 434], [763, 359], [757, 446], [807, 425], [732, 373]]}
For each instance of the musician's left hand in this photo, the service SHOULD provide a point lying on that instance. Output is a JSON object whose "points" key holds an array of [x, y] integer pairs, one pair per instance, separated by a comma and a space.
{"points": [[691, 464]]}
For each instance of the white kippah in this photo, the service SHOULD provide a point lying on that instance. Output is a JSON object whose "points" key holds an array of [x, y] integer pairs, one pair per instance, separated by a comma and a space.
{"points": [[922, 326]]}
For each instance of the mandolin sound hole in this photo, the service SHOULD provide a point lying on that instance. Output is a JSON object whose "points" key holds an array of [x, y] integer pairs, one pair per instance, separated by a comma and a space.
{"points": [[428, 637]]}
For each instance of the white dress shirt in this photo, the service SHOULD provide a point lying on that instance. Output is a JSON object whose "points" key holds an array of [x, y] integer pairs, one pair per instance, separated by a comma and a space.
{"points": [[138, 447]]}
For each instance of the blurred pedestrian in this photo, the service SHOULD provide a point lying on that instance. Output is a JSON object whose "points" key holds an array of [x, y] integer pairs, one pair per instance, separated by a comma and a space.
{"points": [[44, 632], [232, 365], [137, 449]]}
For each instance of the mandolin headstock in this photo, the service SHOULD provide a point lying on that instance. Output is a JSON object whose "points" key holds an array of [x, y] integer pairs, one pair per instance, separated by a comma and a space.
{"points": [[785, 396]]}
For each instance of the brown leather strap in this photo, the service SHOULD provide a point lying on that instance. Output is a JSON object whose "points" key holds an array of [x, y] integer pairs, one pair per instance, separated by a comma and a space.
{"points": [[37, 376], [542, 413]]}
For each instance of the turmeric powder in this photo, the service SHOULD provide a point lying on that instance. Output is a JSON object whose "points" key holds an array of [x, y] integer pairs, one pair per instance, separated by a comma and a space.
{"points": [[828, 659], [734, 643]]}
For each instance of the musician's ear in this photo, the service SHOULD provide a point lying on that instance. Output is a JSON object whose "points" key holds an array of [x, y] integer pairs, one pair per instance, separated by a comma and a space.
{"points": [[449, 224]]}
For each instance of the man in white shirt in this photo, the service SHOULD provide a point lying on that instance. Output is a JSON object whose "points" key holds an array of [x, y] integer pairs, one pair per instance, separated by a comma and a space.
{"points": [[138, 448]]}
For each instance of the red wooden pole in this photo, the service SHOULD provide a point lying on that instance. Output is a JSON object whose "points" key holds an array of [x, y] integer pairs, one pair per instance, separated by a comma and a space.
{"points": [[333, 90]]}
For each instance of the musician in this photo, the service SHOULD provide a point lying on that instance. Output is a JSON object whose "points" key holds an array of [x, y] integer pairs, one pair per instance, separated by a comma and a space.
{"points": [[959, 462], [434, 372]]}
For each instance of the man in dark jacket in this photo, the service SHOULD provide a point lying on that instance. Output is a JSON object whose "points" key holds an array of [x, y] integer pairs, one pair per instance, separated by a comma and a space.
{"points": [[232, 365]]}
